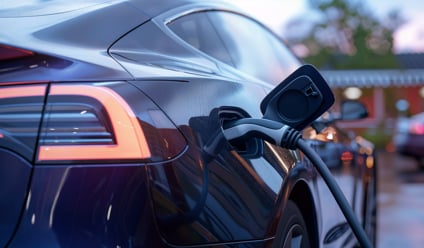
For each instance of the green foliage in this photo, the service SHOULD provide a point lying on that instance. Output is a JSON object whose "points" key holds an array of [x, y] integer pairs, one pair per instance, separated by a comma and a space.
{"points": [[380, 137], [346, 35], [363, 60]]}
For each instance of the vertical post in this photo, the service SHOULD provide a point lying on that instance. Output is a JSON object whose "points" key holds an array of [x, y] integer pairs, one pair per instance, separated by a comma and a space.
{"points": [[379, 104]]}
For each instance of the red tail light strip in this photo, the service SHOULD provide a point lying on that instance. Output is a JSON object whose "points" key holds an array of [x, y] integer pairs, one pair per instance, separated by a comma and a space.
{"points": [[8, 52], [416, 128], [130, 140], [22, 91], [20, 115]]}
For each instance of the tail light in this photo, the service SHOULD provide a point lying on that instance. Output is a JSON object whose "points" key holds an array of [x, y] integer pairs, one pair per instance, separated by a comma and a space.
{"points": [[9, 53], [14, 60], [20, 115], [93, 122], [82, 131], [77, 122], [416, 128], [346, 156]]}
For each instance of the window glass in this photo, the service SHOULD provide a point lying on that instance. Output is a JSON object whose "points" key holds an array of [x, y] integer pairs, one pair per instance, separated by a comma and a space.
{"points": [[238, 41], [253, 48], [197, 30]]}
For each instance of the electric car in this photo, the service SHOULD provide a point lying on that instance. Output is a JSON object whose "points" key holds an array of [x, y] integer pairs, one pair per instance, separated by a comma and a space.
{"points": [[112, 130], [409, 136]]}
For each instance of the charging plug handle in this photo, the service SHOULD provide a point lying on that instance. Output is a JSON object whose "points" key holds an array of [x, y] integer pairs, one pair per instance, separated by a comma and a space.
{"points": [[271, 131]]}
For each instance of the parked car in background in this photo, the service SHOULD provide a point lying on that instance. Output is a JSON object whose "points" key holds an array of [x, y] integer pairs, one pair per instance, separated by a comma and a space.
{"points": [[106, 107], [347, 154], [408, 138]]}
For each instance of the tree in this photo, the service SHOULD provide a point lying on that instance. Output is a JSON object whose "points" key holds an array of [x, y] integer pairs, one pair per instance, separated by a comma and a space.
{"points": [[345, 35]]}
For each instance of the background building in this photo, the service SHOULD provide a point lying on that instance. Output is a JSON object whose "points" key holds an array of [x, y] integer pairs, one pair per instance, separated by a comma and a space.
{"points": [[387, 93]]}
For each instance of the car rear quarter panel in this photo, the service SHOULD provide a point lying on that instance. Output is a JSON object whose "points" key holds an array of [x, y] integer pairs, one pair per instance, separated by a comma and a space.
{"points": [[88, 206], [223, 198], [77, 39], [14, 177]]}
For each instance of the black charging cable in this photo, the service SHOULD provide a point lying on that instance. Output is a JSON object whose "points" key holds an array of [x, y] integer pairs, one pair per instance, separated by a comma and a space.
{"points": [[290, 138]]}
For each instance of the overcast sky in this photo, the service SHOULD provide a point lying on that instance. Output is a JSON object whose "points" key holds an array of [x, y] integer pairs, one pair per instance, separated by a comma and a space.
{"points": [[408, 38]]}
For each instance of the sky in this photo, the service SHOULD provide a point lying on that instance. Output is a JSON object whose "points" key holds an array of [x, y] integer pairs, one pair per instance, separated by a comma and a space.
{"points": [[408, 38]]}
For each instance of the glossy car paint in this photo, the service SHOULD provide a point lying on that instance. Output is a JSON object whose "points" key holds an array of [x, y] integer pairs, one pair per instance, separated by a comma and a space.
{"points": [[173, 193], [352, 160]]}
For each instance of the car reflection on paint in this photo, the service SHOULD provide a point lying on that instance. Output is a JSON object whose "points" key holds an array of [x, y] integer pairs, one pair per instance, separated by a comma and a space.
{"points": [[105, 111]]}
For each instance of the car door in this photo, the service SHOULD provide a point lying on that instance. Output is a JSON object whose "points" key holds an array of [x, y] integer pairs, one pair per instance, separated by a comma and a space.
{"points": [[20, 115]]}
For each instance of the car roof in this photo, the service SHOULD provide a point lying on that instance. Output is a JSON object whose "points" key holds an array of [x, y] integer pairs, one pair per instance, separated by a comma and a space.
{"points": [[85, 23], [31, 8], [22, 8], [84, 30]]}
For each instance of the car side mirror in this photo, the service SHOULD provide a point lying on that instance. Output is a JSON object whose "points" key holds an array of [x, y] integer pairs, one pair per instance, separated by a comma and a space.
{"points": [[352, 110], [299, 99]]}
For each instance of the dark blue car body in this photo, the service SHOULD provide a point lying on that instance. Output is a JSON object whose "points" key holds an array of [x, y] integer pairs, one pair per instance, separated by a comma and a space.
{"points": [[105, 110]]}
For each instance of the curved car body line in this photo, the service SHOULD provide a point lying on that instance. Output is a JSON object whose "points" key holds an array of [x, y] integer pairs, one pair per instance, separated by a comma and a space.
{"points": [[229, 174], [300, 187], [154, 64], [32, 8], [63, 33], [175, 193], [165, 18]]}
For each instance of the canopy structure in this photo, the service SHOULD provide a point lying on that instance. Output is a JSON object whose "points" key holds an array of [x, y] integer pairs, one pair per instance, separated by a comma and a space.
{"points": [[374, 78]]}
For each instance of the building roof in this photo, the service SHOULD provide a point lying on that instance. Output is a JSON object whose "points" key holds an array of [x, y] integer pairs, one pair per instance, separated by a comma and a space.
{"points": [[411, 73], [373, 78]]}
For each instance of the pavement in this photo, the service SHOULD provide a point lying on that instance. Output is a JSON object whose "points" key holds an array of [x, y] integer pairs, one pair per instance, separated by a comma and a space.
{"points": [[400, 202]]}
